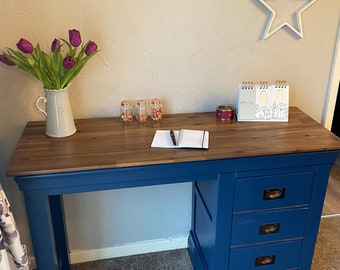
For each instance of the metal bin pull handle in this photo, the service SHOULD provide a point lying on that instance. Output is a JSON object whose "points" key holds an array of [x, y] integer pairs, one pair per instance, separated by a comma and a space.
{"points": [[273, 194], [265, 260], [269, 228]]}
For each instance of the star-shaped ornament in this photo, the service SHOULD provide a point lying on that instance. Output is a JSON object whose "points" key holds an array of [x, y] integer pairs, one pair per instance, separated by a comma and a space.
{"points": [[297, 29]]}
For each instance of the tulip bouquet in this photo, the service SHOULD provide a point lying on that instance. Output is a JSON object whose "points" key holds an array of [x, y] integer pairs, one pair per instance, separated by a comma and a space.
{"points": [[55, 71]]}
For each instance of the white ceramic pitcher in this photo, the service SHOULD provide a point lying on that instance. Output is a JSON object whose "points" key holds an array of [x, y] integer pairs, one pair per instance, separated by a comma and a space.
{"points": [[59, 117]]}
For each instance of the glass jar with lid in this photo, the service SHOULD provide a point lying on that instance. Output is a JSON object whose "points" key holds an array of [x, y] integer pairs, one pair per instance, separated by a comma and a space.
{"points": [[125, 111], [156, 109], [141, 111]]}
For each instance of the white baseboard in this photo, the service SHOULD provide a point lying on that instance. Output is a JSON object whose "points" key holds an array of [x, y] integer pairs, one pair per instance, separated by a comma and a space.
{"points": [[330, 216], [79, 256]]}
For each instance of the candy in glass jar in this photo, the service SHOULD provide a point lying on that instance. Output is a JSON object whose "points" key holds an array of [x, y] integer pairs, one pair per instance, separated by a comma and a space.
{"points": [[125, 111], [156, 109], [141, 111]]}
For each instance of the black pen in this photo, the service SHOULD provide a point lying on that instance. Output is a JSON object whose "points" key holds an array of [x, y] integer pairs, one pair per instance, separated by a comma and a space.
{"points": [[173, 137]]}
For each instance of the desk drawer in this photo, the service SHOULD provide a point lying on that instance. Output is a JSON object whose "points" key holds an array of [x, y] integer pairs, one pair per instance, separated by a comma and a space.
{"points": [[269, 257], [268, 226], [274, 191]]}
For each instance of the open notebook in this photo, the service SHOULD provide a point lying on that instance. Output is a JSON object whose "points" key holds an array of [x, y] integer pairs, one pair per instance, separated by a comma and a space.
{"points": [[184, 138]]}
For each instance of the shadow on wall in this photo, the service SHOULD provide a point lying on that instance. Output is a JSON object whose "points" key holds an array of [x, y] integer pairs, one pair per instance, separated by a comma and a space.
{"points": [[336, 118]]}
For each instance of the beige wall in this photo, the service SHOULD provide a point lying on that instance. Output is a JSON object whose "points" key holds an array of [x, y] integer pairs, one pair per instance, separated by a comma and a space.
{"points": [[190, 53]]}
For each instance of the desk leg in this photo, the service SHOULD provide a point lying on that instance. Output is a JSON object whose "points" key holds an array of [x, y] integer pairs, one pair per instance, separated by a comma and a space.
{"points": [[58, 220], [44, 230]]}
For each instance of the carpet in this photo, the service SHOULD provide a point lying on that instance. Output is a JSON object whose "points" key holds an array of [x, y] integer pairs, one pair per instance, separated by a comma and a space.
{"points": [[166, 260], [327, 248], [326, 255]]}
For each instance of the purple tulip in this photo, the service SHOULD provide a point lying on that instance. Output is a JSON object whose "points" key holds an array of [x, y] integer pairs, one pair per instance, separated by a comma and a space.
{"points": [[25, 46], [68, 62], [90, 48], [5, 60], [74, 37], [55, 44]]}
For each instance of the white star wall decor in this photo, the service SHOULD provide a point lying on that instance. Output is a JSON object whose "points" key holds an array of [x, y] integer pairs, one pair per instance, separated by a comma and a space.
{"points": [[297, 29]]}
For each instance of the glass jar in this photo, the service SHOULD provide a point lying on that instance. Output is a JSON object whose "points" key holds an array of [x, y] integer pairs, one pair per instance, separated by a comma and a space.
{"points": [[141, 111], [156, 109], [126, 111]]}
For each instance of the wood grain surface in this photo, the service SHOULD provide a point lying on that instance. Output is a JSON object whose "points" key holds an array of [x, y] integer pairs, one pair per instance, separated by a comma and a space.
{"points": [[107, 143]]}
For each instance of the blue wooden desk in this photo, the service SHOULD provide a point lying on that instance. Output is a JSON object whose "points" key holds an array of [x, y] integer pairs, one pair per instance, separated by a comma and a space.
{"points": [[257, 192]]}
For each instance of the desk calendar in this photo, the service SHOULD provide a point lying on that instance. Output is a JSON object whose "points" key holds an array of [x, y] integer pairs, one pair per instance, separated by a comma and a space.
{"points": [[263, 102]]}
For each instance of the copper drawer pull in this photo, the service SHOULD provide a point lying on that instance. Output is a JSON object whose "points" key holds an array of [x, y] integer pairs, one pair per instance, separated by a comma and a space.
{"points": [[265, 260], [273, 194], [269, 228]]}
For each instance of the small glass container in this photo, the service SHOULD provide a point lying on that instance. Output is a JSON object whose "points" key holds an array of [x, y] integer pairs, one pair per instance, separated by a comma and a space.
{"points": [[156, 109], [141, 111], [126, 111]]}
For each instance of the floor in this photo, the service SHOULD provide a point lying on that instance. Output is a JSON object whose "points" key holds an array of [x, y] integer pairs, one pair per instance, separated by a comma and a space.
{"points": [[166, 260], [332, 200]]}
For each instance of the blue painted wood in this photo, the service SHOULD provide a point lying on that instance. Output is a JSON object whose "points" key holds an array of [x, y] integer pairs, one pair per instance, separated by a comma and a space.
{"points": [[211, 223], [195, 253], [249, 192], [104, 179], [228, 243], [314, 215], [59, 229], [223, 220], [39, 216], [214, 204], [286, 256], [276, 225], [204, 230]]}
